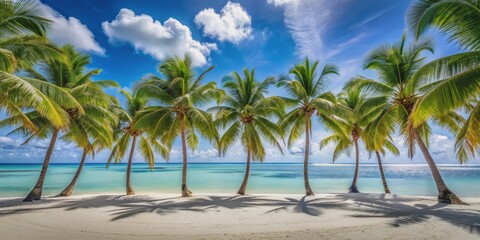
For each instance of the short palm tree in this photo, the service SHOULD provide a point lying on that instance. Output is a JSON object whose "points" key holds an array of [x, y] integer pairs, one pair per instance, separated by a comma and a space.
{"points": [[247, 116], [92, 132], [379, 150], [348, 126], [399, 67], [307, 95], [178, 97], [456, 76], [126, 133]]}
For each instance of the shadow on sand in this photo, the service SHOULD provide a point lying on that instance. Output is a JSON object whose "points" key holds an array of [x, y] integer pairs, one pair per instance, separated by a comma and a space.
{"points": [[400, 210]]}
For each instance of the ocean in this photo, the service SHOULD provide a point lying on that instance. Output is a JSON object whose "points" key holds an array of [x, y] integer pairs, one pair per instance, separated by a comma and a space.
{"points": [[16, 180]]}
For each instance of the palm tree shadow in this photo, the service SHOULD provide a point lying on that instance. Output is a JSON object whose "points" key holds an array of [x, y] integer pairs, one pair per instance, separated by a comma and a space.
{"points": [[401, 213], [125, 207], [312, 207], [214, 203]]}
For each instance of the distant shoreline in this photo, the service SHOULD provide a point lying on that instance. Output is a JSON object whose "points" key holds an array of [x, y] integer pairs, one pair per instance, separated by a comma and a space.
{"points": [[243, 163]]}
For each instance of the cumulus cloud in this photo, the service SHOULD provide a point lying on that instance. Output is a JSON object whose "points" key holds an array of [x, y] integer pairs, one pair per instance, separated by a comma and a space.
{"points": [[156, 39], [232, 23], [208, 153], [70, 31]]}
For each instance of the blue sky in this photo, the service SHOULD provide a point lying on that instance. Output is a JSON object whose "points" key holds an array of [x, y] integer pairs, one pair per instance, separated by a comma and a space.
{"points": [[128, 39]]}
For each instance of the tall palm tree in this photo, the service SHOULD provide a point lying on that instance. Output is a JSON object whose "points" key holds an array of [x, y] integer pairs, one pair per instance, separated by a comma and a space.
{"points": [[23, 43], [459, 20], [306, 90], [456, 76], [399, 67], [177, 112], [246, 115], [23, 31], [69, 74], [126, 133]]}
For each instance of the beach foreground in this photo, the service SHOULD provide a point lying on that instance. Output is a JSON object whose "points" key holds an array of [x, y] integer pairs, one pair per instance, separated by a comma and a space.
{"points": [[221, 216]]}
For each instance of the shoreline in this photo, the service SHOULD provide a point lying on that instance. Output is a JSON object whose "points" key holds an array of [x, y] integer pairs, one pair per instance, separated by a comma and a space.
{"points": [[229, 216]]}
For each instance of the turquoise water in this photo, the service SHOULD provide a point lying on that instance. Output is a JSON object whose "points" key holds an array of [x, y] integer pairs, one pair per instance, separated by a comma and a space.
{"points": [[17, 179]]}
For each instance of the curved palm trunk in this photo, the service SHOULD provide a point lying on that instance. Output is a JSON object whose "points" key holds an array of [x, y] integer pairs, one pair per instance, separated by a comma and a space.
{"points": [[185, 191], [444, 194], [129, 167], [382, 174], [36, 193], [69, 189], [308, 190], [353, 188], [241, 191]]}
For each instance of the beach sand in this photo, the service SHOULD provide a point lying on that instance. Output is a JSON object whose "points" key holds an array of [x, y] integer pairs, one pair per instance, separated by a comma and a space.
{"points": [[221, 216]]}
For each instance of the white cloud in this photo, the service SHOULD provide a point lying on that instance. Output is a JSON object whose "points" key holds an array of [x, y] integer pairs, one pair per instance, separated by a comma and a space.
{"points": [[208, 153], [279, 3], [308, 21], [156, 39], [34, 150], [232, 23], [6, 140], [70, 31]]}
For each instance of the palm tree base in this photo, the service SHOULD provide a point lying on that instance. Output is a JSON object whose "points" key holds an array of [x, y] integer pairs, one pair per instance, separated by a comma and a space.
{"points": [[66, 192], [130, 192], [449, 197], [241, 192], [34, 195], [387, 191], [353, 189], [309, 192], [187, 193]]}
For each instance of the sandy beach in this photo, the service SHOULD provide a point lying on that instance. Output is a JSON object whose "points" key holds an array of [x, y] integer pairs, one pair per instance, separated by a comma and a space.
{"points": [[208, 216]]}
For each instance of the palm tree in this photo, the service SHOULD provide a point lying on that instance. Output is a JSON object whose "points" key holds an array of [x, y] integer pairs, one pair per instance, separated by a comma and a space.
{"points": [[247, 115], [178, 96], [458, 19], [456, 76], [23, 39], [126, 133], [92, 132], [348, 126], [379, 150], [398, 90], [307, 97], [69, 74], [22, 44]]}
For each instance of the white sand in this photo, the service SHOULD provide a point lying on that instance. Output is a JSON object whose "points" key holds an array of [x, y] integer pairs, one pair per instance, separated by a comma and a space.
{"points": [[207, 216]]}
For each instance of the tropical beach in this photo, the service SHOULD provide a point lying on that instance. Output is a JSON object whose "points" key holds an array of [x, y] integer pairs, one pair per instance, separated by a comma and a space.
{"points": [[141, 120]]}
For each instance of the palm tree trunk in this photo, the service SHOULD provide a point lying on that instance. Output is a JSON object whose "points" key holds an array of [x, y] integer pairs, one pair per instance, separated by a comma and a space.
{"points": [[241, 191], [353, 188], [444, 194], [129, 167], [69, 189], [36, 193], [308, 190], [185, 191], [382, 174]]}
